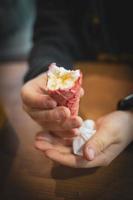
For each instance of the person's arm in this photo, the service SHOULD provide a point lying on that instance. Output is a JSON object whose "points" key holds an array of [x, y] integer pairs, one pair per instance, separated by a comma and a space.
{"points": [[53, 38], [53, 42]]}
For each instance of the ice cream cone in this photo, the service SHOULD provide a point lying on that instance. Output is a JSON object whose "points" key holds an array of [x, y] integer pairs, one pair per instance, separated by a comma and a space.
{"points": [[70, 96]]}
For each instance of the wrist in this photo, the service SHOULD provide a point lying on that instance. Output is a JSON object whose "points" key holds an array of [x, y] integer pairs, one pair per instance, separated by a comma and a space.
{"points": [[129, 115]]}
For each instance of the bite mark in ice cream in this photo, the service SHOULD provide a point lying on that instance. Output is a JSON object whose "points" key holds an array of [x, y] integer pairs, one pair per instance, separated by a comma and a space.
{"points": [[60, 78]]}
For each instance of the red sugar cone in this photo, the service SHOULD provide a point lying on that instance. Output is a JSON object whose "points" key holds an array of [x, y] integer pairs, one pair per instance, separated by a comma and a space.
{"points": [[68, 97]]}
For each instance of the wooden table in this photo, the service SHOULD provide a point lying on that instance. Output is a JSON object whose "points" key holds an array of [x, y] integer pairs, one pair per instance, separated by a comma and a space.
{"points": [[26, 174]]}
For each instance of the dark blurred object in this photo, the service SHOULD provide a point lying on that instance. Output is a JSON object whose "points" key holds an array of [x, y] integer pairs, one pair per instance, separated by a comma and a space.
{"points": [[16, 22], [67, 31], [126, 103]]}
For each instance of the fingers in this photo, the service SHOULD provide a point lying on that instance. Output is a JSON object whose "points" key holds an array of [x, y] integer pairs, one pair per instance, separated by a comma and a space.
{"points": [[72, 122], [56, 114], [63, 128], [57, 119], [44, 136], [98, 143], [34, 95], [55, 149], [39, 100], [44, 146], [70, 160], [107, 156], [66, 134], [60, 131], [64, 159], [100, 150], [34, 98], [64, 155], [45, 141], [51, 138]]}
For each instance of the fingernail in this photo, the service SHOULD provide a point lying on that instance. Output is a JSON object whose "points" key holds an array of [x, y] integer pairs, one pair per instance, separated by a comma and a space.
{"points": [[51, 104], [62, 115], [59, 116], [76, 122], [90, 153], [76, 132]]}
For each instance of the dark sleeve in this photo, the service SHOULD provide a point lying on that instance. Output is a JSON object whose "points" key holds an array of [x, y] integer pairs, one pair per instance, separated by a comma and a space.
{"points": [[53, 39]]}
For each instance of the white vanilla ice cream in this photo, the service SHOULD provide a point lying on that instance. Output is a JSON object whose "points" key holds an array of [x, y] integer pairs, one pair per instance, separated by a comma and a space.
{"points": [[61, 78]]}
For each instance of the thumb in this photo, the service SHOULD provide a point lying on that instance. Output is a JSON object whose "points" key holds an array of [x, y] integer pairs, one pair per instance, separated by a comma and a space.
{"points": [[98, 143], [34, 96]]}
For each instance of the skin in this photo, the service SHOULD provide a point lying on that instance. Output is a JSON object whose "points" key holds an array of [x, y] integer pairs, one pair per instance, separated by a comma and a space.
{"points": [[43, 109], [113, 132]]}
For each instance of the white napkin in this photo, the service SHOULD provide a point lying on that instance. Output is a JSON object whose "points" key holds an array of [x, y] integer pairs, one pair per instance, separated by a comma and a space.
{"points": [[87, 130]]}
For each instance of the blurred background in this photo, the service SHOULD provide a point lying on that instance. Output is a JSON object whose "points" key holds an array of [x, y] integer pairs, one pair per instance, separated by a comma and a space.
{"points": [[16, 27]]}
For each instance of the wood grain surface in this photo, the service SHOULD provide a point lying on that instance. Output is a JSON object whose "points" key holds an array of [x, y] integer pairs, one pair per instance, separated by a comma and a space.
{"points": [[25, 174]]}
